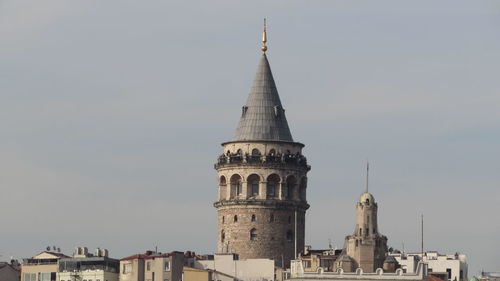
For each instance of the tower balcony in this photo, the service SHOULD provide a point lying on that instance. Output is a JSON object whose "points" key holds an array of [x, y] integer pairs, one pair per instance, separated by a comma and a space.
{"points": [[273, 203], [270, 160]]}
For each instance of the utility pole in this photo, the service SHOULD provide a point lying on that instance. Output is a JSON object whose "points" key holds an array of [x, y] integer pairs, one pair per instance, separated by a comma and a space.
{"points": [[422, 241], [295, 234]]}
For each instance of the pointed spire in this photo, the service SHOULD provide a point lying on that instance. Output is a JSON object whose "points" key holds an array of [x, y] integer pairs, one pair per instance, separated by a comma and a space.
{"points": [[263, 117]]}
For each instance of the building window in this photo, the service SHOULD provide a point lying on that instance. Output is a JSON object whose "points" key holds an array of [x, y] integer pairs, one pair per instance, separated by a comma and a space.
{"points": [[253, 234], [271, 186], [235, 189], [253, 217], [271, 189], [167, 266], [291, 182], [289, 219], [271, 218], [127, 268], [148, 266], [289, 235], [223, 219], [30, 277], [255, 187], [448, 270], [253, 181], [45, 276], [235, 218], [222, 236]]}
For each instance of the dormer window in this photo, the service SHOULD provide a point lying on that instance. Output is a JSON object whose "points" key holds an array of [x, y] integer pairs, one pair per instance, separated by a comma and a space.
{"points": [[277, 110]]}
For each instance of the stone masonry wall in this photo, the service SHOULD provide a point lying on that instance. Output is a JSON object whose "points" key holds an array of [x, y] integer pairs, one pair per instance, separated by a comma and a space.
{"points": [[275, 232]]}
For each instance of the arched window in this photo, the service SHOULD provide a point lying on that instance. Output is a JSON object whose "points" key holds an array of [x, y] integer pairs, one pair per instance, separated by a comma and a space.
{"points": [[253, 234], [360, 231], [367, 201], [239, 152], [235, 186], [289, 235], [302, 189], [222, 180], [272, 186], [291, 182], [222, 188], [272, 152], [255, 152], [271, 218], [253, 217], [253, 183], [222, 236], [235, 218]]}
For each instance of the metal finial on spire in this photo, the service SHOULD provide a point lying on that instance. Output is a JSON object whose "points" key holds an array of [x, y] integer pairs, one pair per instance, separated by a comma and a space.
{"points": [[367, 173], [264, 37]]}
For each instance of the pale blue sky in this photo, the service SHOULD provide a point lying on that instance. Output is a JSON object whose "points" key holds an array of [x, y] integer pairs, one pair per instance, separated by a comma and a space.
{"points": [[113, 113]]}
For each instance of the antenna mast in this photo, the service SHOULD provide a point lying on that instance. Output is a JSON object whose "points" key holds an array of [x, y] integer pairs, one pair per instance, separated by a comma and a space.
{"points": [[367, 172], [422, 227]]}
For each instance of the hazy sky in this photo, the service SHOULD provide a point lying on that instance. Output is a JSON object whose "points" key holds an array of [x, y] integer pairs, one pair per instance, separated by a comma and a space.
{"points": [[112, 115]]}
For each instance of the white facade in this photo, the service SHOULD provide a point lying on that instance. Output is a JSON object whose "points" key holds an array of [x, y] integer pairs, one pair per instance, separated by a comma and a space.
{"points": [[297, 273], [88, 275], [246, 270], [454, 265]]}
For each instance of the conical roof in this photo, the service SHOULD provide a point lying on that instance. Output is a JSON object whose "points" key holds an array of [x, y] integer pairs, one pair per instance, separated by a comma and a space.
{"points": [[263, 117]]}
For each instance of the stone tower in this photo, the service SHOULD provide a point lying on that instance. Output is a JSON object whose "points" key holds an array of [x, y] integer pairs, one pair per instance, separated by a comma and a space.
{"points": [[366, 247], [262, 179]]}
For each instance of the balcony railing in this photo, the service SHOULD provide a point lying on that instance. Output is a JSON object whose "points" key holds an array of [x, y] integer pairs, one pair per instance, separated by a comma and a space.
{"points": [[270, 159]]}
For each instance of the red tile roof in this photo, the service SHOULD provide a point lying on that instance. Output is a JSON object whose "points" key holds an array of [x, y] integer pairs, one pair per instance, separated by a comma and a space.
{"points": [[150, 255], [434, 278]]}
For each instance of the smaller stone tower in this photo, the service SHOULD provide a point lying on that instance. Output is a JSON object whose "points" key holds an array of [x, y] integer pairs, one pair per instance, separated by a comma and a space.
{"points": [[366, 247]]}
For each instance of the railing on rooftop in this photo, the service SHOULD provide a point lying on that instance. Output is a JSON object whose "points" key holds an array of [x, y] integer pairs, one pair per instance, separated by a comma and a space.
{"points": [[270, 159], [30, 262]]}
